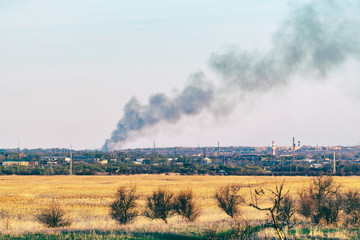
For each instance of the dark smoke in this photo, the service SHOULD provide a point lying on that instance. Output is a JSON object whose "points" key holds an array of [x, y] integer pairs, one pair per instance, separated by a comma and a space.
{"points": [[316, 38], [195, 97]]}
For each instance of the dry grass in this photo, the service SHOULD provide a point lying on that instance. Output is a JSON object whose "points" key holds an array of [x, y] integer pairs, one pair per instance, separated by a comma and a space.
{"points": [[86, 199]]}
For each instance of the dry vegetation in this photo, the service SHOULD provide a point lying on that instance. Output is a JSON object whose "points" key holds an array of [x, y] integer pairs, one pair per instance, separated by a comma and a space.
{"points": [[86, 199]]}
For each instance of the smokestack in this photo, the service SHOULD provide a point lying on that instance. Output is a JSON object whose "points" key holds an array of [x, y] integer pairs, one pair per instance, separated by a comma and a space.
{"points": [[293, 146], [317, 37], [294, 142]]}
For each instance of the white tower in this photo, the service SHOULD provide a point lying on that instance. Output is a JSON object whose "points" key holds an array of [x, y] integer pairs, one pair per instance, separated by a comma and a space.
{"points": [[273, 148]]}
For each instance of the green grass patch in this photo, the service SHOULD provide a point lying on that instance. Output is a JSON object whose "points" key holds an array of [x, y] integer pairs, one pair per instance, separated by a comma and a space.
{"points": [[99, 235]]}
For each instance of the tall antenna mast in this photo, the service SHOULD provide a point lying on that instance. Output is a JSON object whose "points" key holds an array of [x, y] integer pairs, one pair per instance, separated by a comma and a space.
{"points": [[18, 151], [71, 172]]}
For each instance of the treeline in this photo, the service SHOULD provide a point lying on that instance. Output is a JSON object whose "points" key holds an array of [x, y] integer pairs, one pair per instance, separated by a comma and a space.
{"points": [[343, 169], [129, 169]]}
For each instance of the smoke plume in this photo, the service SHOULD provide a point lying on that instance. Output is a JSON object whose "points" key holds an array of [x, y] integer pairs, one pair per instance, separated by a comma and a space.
{"points": [[195, 97], [317, 38]]}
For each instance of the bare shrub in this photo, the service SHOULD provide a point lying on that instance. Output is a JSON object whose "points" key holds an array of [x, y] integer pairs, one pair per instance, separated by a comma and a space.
{"points": [[321, 201], [211, 230], [241, 229], [123, 209], [305, 207], [229, 200], [6, 219], [54, 216], [351, 206], [287, 211], [159, 205], [184, 205], [331, 209]]}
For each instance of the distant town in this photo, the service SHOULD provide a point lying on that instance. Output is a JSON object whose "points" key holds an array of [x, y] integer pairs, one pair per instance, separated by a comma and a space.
{"points": [[241, 160]]}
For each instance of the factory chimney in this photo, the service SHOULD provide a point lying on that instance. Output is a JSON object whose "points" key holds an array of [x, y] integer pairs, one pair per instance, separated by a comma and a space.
{"points": [[293, 148], [293, 142]]}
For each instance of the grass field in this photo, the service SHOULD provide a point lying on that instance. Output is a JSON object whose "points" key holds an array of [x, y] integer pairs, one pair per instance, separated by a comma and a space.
{"points": [[86, 200]]}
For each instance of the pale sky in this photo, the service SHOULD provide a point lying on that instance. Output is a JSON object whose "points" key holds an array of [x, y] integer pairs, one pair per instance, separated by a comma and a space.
{"points": [[68, 67]]}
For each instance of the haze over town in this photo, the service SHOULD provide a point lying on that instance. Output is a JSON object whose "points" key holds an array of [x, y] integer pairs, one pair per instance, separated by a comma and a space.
{"points": [[69, 69]]}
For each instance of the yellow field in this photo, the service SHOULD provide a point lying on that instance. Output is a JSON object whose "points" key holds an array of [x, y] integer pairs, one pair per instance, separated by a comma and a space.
{"points": [[86, 198]]}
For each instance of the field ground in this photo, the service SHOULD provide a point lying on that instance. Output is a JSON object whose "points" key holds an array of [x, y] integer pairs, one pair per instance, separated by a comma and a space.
{"points": [[86, 200]]}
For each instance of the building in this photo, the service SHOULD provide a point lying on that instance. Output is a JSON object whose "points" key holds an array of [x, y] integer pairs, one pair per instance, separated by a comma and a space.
{"points": [[103, 161], [15, 162], [207, 161]]}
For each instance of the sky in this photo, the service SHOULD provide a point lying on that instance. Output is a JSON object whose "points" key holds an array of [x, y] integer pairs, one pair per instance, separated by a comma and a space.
{"points": [[68, 68]]}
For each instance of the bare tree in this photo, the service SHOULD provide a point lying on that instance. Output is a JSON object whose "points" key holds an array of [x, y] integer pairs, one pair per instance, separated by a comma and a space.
{"points": [[281, 208], [159, 205], [229, 200], [184, 205], [123, 208]]}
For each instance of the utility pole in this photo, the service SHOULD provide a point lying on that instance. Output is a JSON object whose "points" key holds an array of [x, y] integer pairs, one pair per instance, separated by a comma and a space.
{"points": [[334, 170], [71, 172], [18, 155]]}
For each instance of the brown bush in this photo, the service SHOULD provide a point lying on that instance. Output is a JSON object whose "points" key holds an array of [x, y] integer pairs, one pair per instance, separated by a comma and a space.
{"points": [[305, 207], [287, 209], [184, 205], [159, 205], [241, 229], [54, 216], [123, 209], [351, 207], [321, 201], [229, 200]]}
